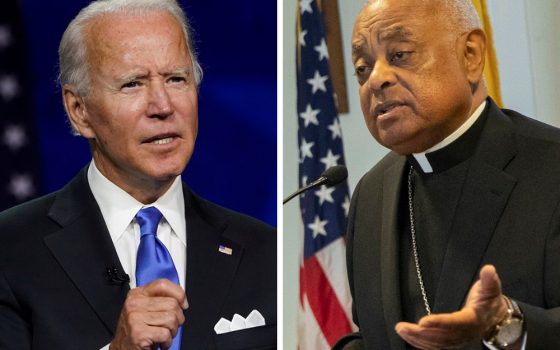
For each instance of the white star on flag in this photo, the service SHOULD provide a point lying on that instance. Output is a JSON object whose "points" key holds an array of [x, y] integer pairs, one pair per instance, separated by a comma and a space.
{"points": [[318, 227], [305, 149], [21, 186], [310, 115], [5, 37], [303, 184], [322, 50], [302, 37], [330, 160], [335, 129], [14, 137], [8, 87], [318, 82], [346, 206], [305, 6], [325, 194]]}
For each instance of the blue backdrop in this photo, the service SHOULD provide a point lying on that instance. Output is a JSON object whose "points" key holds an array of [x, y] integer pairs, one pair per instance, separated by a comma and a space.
{"points": [[234, 162]]}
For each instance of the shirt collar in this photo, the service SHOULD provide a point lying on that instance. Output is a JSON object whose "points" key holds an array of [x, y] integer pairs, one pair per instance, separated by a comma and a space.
{"points": [[422, 160], [119, 208]]}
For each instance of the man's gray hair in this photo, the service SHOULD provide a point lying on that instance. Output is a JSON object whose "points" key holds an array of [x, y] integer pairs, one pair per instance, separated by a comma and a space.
{"points": [[72, 50]]}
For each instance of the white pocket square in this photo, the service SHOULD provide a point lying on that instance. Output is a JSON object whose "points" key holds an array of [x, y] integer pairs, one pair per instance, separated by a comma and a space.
{"points": [[254, 319]]}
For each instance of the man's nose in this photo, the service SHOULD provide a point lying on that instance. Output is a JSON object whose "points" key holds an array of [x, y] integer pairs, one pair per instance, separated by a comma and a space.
{"points": [[159, 104], [382, 76]]}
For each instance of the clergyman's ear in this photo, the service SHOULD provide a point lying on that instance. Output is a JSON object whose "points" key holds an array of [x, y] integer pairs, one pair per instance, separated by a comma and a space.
{"points": [[474, 53], [76, 110]]}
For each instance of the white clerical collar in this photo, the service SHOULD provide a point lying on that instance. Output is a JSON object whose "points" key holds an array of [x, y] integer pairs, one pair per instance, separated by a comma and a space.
{"points": [[421, 157], [119, 208]]}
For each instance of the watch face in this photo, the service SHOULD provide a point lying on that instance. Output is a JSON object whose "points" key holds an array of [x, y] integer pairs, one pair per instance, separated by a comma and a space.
{"points": [[510, 332]]}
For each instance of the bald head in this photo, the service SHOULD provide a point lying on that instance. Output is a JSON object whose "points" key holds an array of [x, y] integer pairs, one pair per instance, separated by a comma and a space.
{"points": [[459, 15]]}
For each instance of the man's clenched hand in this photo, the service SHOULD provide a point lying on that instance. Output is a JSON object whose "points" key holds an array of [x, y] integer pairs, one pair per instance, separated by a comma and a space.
{"points": [[151, 317]]}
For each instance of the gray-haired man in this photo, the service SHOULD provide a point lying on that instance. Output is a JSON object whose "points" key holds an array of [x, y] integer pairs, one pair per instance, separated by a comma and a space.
{"points": [[130, 76]]}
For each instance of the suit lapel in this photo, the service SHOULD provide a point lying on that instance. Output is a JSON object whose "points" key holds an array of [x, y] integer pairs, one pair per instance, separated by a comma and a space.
{"points": [[484, 196], [210, 273], [392, 187], [84, 249]]}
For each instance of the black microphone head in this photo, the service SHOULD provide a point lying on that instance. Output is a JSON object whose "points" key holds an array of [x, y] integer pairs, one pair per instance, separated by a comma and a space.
{"points": [[335, 175]]}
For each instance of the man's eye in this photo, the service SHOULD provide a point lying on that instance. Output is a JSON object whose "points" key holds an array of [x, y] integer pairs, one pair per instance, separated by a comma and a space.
{"points": [[130, 85], [400, 55], [359, 71], [177, 79]]}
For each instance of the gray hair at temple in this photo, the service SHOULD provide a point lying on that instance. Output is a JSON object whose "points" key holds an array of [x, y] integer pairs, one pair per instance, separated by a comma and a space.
{"points": [[73, 63]]}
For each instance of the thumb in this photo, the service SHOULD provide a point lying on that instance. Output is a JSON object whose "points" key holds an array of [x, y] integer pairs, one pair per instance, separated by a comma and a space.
{"points": [[490, 282]]}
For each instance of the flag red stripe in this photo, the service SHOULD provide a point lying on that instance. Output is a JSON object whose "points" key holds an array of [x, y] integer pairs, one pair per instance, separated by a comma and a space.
{"points": [[324, 303]]}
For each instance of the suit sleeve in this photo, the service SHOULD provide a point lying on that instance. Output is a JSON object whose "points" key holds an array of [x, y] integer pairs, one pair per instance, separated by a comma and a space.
{"points": [[543, 324], [351, 341], [15, 332]]}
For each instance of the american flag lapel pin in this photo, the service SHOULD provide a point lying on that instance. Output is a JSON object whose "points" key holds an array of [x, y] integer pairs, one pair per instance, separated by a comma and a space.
{"points": [[225, 250]]}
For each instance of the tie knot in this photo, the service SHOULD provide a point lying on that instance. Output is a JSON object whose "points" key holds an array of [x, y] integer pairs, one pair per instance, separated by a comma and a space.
{"points": [[148, 219]]}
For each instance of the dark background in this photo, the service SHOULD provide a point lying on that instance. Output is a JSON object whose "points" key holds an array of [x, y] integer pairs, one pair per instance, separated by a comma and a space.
{"points": [[234, 162]]}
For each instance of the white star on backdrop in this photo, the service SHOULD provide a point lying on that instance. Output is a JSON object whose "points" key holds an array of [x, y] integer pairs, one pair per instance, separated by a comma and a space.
{"points": [[330, 160], [325, 194], [305, 149], [310, 115], [302, 35], [318, 227], [8, 87], [21, 186], [322, 50], [14, 137], [318, 82], [346, 206], [305, 6], [336, 129], [5, 37]]}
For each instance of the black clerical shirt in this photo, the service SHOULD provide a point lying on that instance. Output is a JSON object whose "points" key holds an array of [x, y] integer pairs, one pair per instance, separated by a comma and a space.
{"points": [[435, 198]]}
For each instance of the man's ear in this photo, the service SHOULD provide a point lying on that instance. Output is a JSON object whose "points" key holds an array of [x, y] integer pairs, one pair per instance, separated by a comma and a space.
{"points": [[76, 110], [474, 54]]}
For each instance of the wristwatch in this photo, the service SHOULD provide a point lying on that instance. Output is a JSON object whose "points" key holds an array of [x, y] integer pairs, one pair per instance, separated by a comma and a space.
{"points": [[508, 331]]}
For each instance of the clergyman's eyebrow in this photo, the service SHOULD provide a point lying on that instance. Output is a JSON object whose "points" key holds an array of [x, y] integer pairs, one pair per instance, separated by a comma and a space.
{"points": [[395, 33]]}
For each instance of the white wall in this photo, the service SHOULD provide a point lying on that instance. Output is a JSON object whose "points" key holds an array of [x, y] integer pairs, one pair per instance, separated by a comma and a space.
{"points": [[527, 43]]}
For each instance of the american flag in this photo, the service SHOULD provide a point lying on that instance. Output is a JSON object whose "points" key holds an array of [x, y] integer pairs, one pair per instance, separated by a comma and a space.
{"points": [[20, 165], [325, 301]]}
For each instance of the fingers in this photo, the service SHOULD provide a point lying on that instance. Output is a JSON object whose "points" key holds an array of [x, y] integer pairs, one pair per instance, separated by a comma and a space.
{"points": [[490, 282], [151, 316], [163, 288], [429, 338]]}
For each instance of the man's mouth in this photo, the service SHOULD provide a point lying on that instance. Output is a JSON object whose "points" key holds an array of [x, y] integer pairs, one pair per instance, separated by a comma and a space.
{"points": [[386, 107], [161, 139]]}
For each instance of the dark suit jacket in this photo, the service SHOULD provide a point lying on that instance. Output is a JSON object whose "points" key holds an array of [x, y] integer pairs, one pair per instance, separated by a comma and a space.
{"points": [[508, 215], [54, 289]]}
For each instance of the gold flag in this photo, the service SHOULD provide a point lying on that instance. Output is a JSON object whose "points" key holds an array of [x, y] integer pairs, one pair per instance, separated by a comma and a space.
{"points": [[491, 72]]}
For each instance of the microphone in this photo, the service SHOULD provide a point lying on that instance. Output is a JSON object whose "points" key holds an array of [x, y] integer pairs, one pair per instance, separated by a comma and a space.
{"points": [[330, 177], [114, 278]]}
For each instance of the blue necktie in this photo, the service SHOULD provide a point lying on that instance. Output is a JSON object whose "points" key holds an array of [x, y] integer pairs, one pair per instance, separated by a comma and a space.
{"points": [[153, 260]]}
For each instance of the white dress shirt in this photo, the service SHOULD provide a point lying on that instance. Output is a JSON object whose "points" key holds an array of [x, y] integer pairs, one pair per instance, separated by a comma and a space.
{"points": [[119, 212]]}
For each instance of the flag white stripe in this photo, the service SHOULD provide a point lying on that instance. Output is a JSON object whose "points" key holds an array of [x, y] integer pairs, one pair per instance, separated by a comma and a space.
{"points": [[310, 336], [332, 259]]}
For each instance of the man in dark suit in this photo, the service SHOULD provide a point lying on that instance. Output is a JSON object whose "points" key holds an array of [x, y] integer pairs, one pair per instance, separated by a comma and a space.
{"points": [[454, 237], [183, 272]]}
